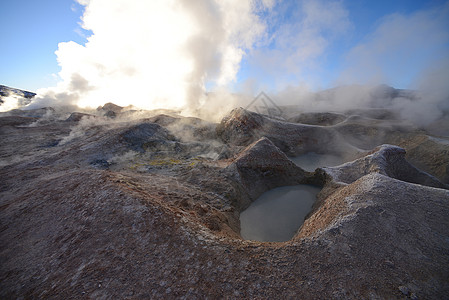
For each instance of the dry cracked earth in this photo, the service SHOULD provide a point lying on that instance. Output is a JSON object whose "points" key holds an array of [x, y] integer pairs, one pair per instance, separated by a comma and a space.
{"points": [[132, 205]]}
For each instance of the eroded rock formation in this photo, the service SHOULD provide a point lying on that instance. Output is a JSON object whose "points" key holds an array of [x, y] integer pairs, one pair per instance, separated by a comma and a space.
{"points": [[262, 166]]}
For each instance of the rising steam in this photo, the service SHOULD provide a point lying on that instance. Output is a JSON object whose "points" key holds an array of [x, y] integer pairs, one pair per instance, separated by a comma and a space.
{"points": [[158, 53], [169, 53]]}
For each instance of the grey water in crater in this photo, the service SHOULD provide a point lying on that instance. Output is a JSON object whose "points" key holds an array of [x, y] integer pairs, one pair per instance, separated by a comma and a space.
{"points": [[311, 160], [277, 214]]}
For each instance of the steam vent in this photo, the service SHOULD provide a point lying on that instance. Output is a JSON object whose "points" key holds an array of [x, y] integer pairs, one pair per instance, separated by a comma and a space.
{"points": [[125, 204]]}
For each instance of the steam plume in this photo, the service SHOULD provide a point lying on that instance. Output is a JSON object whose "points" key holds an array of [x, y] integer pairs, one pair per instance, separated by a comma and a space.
{"points": [[158, 53]]}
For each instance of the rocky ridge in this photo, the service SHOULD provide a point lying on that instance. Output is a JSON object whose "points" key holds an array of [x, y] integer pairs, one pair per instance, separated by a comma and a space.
{"points": [[23, 97]]}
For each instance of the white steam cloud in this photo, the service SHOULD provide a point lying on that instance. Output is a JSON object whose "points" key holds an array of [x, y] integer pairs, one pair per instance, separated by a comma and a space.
{"points": [[405, 51], [158, 53]]}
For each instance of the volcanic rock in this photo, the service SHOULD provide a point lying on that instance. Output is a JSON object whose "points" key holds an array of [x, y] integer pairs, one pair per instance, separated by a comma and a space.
{"points": [[262, 166], [110, 107], [31, 113], [146, 135], [99, 209], [429, 153], [323, 119], [393, 228], [350, 138], [373, 113], [77, 116], [365, 133], [387, 160], [162, 119], [242, 127], [16, 120]]}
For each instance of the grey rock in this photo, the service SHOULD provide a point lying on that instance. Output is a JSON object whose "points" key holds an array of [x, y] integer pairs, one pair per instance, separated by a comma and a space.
{"points": [[110, 107], [387, 160], [32, 113], [110, 114], [262, 166], [322, 119], [242, 127], [77, 116], [16, 120], [147, 136]]}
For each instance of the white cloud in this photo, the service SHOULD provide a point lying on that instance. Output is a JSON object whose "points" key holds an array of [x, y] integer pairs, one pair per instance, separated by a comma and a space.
{"points": [[298, 43]]}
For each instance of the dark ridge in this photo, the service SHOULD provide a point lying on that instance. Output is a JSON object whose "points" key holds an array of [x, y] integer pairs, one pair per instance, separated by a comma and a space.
{"points": [[5, 91]]}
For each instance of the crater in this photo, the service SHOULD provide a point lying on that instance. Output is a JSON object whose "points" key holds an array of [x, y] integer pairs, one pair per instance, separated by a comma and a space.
{"points": [[278, 213]]}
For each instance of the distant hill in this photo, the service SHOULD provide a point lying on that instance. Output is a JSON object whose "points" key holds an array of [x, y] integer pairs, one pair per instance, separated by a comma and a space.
{"points": [[6, 91]]}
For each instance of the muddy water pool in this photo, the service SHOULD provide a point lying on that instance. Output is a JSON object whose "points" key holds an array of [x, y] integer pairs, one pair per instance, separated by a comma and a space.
{"points": [[277, 214], [311, 160]]}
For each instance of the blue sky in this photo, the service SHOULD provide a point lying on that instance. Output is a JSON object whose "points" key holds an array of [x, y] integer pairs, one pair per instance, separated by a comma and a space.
{"points": [[365, 23], [31, 31]]}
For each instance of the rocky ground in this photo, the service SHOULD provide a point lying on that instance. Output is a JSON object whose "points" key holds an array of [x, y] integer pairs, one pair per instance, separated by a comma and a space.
{"points": [[128, 204]]}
